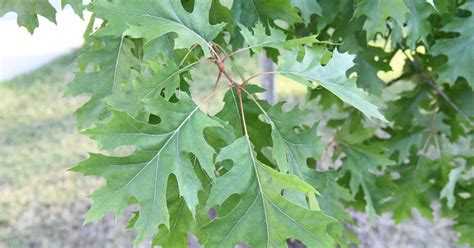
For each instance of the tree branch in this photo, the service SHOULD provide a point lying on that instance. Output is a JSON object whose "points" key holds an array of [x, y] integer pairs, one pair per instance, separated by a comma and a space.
{"points": [[429, 79], [448, 100]]}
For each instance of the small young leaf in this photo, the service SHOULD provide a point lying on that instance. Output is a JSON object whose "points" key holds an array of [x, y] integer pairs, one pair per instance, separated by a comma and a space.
{"points": [[257, 39]]}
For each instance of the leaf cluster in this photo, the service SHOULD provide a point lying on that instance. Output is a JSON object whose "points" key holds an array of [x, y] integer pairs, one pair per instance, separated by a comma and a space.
{"points": [[363, 138]]}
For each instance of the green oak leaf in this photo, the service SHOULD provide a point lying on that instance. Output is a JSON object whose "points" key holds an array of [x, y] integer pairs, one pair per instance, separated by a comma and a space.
{"points": [[404, 111], [290, 149], [257, 38], [378, 11], [454, 175], [162, 150], [76, 5], [465, 220], [460, 50], [115, 61], [182, 220], [230, 112], [463, 96], [331, 10], [28, 12], [404, 142], [160, 47], [331, 76], [153, 19], [466, 228], [220, 13], [159, 78], [414, 187], [417, 22], [249, 12], [182, 223], [261, 205], [444, 6], [349, 30], [363, 163], [332, 195], [353, 131], [307, 8], [367, 68]]}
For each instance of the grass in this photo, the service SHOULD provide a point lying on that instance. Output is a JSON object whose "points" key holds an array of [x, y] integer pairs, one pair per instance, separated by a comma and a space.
{"points": [[36, 132]]}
